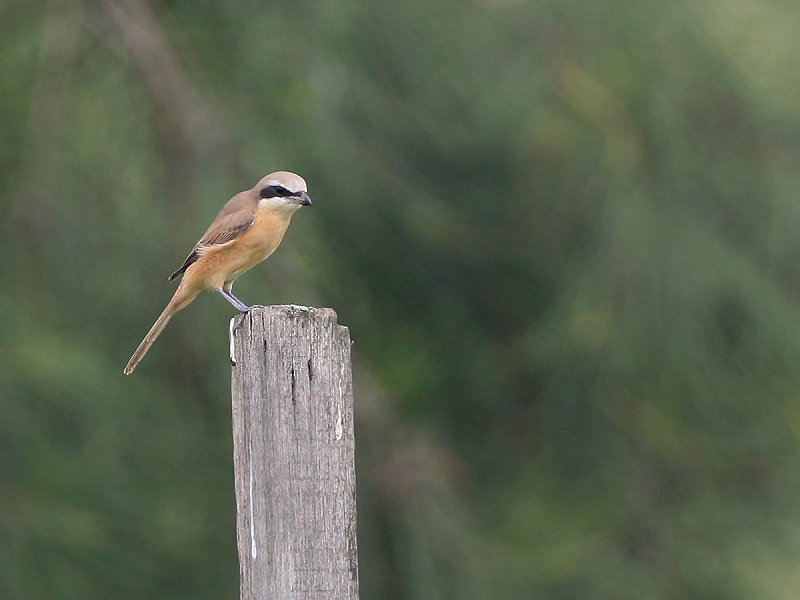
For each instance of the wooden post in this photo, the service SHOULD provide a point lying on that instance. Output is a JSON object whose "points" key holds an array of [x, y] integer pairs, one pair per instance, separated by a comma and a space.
{"points": [[293, 449]]}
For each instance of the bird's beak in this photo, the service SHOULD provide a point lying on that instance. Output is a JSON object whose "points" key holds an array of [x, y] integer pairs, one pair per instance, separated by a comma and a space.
{"points": [[304, 199]]}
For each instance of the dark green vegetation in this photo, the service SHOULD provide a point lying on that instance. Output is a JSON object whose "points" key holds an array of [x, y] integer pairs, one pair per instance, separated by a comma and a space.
{"points": [[565, 236]]}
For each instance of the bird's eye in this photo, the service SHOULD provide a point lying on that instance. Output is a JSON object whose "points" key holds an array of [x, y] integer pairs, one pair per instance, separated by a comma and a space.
{"points": [[274, 190]]}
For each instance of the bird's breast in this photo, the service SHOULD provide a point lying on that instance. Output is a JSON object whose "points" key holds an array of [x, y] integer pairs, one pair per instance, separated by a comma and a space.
{"points": [[228, 261], [265, 233], [257, 243]]}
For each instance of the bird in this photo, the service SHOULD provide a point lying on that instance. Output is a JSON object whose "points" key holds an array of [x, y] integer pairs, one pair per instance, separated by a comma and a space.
{"points": [[246, 231]]}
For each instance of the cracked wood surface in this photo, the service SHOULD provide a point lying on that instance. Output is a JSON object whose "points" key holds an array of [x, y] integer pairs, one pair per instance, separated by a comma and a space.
{"points": [[294, 456]]}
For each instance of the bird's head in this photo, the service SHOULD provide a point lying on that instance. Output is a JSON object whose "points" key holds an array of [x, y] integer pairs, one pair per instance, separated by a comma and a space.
{"points": [[284, 190]]}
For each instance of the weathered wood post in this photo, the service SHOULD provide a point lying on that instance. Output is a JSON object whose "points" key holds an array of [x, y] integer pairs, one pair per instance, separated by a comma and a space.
{"points": [[293, 450]]}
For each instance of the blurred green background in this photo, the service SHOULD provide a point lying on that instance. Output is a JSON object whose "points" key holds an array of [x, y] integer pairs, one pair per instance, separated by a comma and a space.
{"points": [[564, 235]]}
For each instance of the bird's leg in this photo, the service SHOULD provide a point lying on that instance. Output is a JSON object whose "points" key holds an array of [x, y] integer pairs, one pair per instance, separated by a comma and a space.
{"points": [[227, 293], [237, 304], [236, 321]]}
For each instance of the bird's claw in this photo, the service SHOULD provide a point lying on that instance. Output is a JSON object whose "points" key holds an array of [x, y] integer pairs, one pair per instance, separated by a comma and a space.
{"points": [[247, 309], [234, 324]]}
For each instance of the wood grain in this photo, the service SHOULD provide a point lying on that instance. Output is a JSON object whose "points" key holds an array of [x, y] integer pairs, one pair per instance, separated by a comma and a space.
{"points": [[294, 456]]}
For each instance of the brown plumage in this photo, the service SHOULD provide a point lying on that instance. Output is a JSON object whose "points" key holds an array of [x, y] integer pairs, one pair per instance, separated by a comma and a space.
{"points": [[235, 217], [246, 231]]}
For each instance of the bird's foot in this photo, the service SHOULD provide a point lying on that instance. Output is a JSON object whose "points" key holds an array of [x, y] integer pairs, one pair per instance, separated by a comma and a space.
{"points": [[234, 324], [247, 309]]}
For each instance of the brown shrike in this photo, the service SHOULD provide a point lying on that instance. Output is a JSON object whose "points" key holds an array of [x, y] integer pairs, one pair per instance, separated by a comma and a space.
{"points": [[246, 231]]}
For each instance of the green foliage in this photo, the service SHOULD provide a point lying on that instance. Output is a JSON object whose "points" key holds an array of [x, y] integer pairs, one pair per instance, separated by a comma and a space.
{"points": [[564, 237]]}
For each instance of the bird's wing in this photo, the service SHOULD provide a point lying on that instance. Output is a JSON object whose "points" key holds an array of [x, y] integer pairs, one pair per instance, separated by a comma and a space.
{"points": [[227, 228], [234, 219]]}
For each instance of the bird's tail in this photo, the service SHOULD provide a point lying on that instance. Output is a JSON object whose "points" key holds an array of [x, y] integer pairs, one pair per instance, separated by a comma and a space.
{"points": [[180, 300]]}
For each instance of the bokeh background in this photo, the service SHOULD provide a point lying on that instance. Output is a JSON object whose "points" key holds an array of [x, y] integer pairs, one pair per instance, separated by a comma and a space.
{"points": [[564, 235]]}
